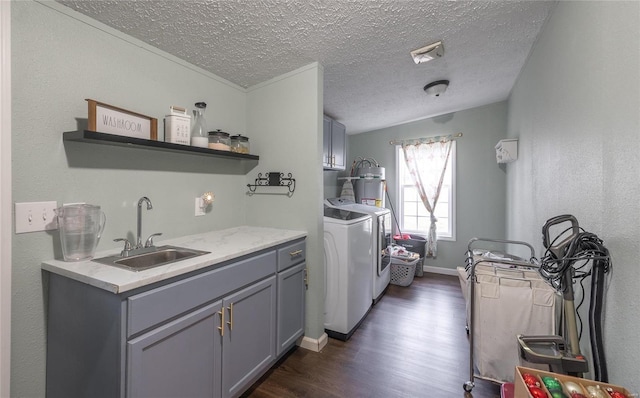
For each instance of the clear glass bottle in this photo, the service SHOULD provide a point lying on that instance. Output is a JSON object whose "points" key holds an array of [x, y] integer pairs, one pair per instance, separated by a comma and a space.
{"points": [[199, 136]]}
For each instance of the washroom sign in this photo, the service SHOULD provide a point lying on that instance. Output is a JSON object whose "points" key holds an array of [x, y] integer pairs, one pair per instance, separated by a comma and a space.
{"points": [[104, 118]]}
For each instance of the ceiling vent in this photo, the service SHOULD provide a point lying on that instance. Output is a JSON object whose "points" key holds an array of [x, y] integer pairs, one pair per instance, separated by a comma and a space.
{"points": [[436, 88], [426, 54]]}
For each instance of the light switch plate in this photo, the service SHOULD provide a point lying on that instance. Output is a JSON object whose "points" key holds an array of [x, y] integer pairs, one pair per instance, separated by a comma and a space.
{"points": [[199, 210], [35, 216]]}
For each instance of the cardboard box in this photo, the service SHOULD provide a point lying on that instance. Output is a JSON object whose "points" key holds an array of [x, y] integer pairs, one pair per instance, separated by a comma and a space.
{"points": [[521, 390]]}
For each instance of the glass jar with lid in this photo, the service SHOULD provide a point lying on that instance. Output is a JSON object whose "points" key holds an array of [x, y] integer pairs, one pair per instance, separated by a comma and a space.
{"points": [[219, 140], [239, 144]]}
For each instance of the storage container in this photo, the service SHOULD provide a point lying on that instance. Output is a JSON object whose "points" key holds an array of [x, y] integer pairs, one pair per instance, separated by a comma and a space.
{"points": [[177, 126], [239, 144], [403, 269], [416, 244], [219, 140], [521, 390]]}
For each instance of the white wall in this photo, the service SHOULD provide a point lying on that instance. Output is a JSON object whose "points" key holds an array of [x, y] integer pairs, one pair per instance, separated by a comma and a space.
{"points": [[575, 109], [5, 198], [480, 192], [285, 118], [59, 58]]}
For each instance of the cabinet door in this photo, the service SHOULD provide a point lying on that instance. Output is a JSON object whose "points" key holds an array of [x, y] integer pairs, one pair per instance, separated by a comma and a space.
{"points": [[179, 359], [291, 306], [249, 340], [338, 147], [326, 142]]}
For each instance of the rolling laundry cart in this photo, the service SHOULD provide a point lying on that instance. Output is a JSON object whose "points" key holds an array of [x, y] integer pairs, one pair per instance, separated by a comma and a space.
{"points": [[505, 296]]}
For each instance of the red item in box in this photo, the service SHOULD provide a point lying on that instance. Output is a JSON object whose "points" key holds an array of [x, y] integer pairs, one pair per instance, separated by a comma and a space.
{"points": [[507, 390]]}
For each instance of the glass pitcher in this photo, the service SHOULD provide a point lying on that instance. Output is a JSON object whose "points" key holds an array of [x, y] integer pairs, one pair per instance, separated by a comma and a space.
{"points": [[199, 134], [80, 228]]}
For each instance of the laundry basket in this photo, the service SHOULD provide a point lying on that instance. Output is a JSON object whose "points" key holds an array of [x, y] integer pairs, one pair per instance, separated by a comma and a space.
{"points": [[403, 269], [416, 244]]}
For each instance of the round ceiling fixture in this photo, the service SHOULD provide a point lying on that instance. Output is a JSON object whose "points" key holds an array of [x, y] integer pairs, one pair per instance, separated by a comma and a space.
{"points": [[436, 88]]}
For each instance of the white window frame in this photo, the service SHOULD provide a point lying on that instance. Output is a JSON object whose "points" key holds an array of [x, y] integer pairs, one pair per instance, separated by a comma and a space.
{"points": [[401, 165]]}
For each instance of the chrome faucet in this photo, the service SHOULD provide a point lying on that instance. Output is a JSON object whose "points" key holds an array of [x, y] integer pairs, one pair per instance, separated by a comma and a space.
{"points": [[129, 248], [149, 207]]}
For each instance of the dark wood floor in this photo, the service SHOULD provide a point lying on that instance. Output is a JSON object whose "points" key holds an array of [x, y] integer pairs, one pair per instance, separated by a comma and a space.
{"points": [[413, 343]]}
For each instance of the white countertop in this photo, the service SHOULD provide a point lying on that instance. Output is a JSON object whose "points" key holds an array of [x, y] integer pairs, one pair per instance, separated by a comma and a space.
{"points": [[224, 245]]}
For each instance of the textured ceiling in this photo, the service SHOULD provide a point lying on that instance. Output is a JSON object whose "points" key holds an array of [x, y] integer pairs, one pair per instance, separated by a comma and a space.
{"points": [[370, 81]]}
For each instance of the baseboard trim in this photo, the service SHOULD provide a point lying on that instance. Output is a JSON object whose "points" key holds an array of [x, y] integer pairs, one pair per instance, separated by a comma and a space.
{"points": [[315, 345], [440, 270]]}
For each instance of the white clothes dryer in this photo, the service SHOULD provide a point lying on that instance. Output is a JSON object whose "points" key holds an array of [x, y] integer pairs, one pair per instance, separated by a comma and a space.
{"points": [[347, 253], [381, 219]]}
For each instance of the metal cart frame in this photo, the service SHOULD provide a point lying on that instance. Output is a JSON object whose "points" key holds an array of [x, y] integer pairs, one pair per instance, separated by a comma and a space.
{"points": [[471, 265]]}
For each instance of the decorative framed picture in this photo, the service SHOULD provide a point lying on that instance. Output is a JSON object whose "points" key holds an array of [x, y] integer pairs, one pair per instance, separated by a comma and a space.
{"points": [[104, 118]]}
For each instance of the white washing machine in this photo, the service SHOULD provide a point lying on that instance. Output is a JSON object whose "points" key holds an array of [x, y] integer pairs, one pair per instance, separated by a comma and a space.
{"points": [[381, 219], [347, 253]]}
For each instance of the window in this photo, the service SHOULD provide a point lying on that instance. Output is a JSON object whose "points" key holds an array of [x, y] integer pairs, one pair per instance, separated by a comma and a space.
{"points": [[412, 215]]}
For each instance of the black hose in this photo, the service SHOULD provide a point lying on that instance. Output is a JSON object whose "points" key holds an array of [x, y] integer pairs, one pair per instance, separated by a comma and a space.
{"points": [[595, 321]]}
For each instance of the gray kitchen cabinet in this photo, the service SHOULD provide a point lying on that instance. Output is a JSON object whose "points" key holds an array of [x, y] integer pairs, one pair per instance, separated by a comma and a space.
{"points": [[179, 359], [248, 343], [291, 294], [333, 144], [216, 351], [85, 341], [210, 333], [291, 306]]}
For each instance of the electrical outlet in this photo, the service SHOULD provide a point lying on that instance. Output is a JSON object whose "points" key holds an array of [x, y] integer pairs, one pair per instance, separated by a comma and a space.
{"points": [[199, 208], [35, 216]]}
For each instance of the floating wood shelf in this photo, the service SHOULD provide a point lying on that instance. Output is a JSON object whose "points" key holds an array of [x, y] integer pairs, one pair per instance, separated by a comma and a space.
{"points": [[94, 137]]}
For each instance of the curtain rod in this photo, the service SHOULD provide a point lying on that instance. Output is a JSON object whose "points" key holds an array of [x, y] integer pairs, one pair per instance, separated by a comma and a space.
{"points": [[427, 140]]}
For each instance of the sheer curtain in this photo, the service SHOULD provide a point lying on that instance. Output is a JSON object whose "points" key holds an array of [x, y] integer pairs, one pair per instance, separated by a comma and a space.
{"points": [[427, 164]]}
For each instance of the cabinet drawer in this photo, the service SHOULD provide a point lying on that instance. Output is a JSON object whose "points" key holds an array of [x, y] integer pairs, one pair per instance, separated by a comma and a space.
{"points": [[291, 255], [161, 304]]}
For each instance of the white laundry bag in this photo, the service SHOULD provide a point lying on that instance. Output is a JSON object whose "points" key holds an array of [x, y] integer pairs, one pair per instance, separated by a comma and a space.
{"points": [[507, 303]]}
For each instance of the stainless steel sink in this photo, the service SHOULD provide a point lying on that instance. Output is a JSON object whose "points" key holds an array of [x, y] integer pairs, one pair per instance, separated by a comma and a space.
{"points": [[151, 257]]}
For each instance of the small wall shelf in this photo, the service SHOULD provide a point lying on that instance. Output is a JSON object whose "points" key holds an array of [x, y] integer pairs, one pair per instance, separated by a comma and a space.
{"points": [[507, 151], [274, 179]]}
